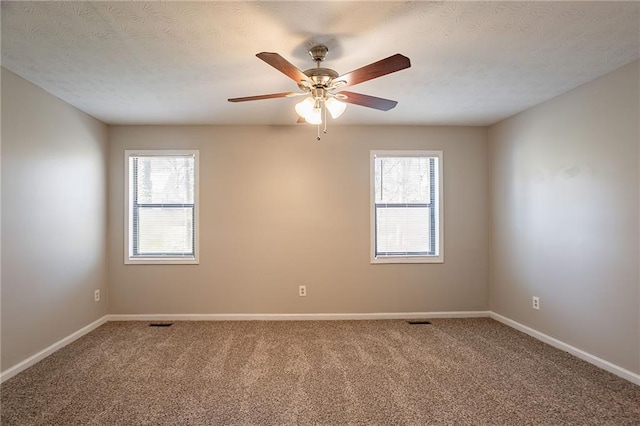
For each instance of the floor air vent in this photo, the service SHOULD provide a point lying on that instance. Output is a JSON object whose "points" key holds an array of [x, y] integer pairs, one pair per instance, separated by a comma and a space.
{"points": [[423, 322], [161, 324]]}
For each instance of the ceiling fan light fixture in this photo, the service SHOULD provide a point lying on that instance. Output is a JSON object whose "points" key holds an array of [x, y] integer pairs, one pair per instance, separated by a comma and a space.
{"points": [[314, 116], [305, 107], [310, 109], [335, 107]]}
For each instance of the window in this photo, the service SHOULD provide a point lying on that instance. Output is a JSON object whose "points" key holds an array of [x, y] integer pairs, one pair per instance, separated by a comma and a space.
{"points": [[406, 207], [161, 194]]}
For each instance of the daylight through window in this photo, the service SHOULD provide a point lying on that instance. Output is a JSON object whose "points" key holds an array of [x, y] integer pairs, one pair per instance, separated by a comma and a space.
{"points": [[405, 216], [162, 207]]}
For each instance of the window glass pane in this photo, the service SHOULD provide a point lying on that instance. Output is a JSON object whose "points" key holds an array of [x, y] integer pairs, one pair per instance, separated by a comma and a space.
{"points": [[402, 230], [165, 230], [402, 180], [165, 180]]}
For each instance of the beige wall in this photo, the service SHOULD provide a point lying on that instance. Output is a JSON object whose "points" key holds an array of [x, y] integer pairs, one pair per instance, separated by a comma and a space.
{"points": [[53, 219], [565, 217], [279, 209]]}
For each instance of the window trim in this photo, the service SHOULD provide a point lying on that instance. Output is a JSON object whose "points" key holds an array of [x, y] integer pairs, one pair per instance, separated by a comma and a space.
{"points": [[128, 210], [439, 240]]}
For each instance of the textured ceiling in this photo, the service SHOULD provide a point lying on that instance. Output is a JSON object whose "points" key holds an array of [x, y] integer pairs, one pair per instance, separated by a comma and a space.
{"points": [[473, 63]]}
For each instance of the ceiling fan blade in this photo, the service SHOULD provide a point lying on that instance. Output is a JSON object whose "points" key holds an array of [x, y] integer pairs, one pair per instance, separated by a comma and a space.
{"points": [[368, 101], [284, 66], [385, 66], [300, 120], [270, 96]]}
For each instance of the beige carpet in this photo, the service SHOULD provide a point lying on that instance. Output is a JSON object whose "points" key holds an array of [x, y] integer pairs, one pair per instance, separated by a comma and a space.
{"points": [[455, 371]]}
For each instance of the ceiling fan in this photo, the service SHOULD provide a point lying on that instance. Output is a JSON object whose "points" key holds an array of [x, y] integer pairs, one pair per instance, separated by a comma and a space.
{"points": [[324, 87]]}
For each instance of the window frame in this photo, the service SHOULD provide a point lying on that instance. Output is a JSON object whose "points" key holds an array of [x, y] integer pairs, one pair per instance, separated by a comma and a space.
{"points": [[438, 217], [129, 211]]}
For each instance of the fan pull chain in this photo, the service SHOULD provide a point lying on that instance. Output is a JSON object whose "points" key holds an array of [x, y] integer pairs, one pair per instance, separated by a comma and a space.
{"points": [[323, 118], [324, 104]]}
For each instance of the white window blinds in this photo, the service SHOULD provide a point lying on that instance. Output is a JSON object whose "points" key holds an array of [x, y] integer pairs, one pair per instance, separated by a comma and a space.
{"points": [[162, 211], [405, 204]]}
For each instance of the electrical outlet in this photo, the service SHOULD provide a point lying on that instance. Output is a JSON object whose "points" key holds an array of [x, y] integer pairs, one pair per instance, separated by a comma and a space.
{"points": [[96, 296], [536, 303], [302, 290]]}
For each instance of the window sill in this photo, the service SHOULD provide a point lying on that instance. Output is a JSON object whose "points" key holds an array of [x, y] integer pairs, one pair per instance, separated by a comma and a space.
{"points": [[407, 259], [160, 261]]}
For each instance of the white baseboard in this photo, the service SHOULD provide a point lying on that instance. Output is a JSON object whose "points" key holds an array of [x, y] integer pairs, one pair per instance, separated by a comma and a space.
{"points": [[23, 365], [295, 317], [579, 353]]}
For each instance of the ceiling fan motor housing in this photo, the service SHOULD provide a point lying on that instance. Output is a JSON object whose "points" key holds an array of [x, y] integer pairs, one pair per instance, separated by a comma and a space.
{"points": [[320, 77]]}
